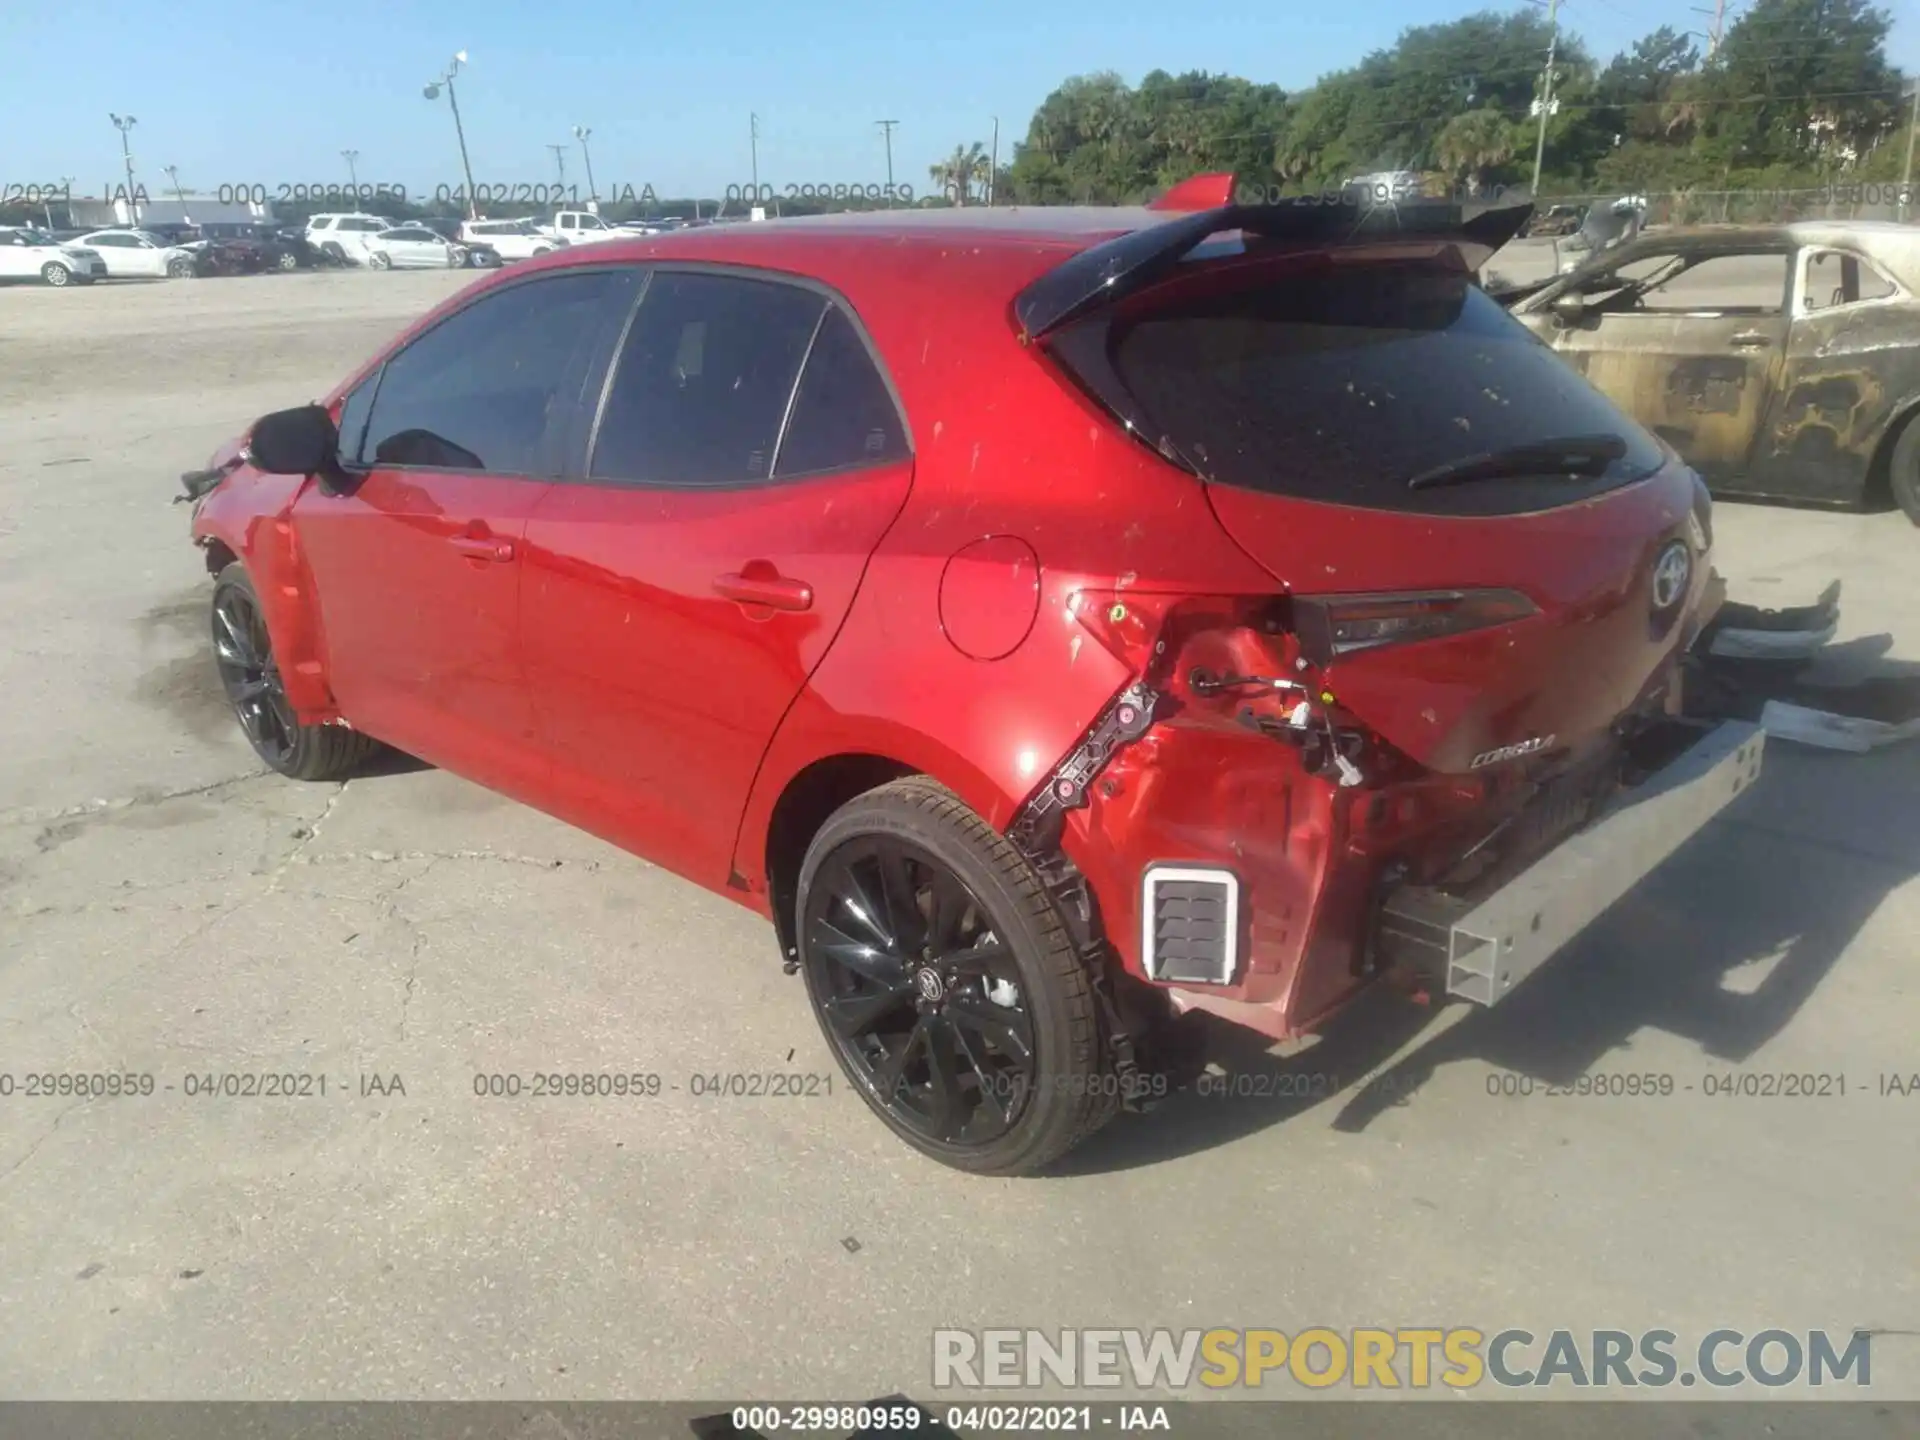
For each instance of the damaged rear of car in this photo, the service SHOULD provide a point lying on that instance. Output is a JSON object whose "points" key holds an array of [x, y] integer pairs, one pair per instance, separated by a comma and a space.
{"points": [[1364, 618], [1485, 578]]}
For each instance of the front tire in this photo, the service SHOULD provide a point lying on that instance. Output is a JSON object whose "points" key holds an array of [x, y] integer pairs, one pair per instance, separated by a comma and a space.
{"points": [[55, 274], [288, 260], [243, 658], [946, 983], [180, 270], [379, 261], [1903, 470]]}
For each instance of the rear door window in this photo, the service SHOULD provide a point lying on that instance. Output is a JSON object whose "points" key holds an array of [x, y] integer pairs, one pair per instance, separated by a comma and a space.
{"points": [[843, 413], [704, 380], [1342, 382]]}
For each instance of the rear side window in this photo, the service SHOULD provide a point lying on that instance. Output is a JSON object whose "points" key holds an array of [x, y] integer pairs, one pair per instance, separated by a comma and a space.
{"points": [[1342, 383], [490, 388], [843, 414], [704, 379]]}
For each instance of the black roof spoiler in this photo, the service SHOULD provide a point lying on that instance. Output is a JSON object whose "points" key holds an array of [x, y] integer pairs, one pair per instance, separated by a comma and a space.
{"points": [[1127, 264]]}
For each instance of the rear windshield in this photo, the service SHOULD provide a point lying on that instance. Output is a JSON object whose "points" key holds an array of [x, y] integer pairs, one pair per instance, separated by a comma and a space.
{"points": [[1343, 382]]}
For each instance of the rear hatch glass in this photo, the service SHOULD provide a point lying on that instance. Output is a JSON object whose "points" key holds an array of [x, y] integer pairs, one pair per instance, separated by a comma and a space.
{"points": [[1342, 382], [1312, 398]]}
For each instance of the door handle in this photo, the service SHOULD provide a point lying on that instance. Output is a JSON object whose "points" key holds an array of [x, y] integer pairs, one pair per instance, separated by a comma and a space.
{"points": [[476, 547], [1749, 339], [767, 589]]}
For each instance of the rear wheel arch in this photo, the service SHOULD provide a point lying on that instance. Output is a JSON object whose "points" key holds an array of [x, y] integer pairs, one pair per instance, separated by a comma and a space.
{"points": [[1878, 490], [805, 804]]}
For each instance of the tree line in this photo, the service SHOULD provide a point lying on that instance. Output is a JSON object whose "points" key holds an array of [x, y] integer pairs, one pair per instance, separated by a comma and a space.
{"points": [[1797, 93]]}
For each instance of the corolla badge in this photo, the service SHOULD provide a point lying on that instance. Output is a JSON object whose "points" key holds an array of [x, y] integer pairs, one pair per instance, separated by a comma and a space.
{"points": [[1531, 745], [1671, 572]]}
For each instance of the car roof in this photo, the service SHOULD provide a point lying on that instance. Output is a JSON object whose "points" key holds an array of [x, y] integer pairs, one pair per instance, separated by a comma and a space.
{"points": [[1893, 245]]}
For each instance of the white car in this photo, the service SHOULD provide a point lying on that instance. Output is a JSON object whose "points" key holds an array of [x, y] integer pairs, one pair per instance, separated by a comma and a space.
{"points": [[346, 235], [30, 254], [412, 247], [511, 239], [138, 254]]}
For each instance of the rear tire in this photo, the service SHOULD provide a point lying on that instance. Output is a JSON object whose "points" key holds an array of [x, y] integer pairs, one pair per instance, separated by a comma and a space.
{"points": [[379, 261], [946, 983], [1903, 470], [288, 260], [244, 660]]}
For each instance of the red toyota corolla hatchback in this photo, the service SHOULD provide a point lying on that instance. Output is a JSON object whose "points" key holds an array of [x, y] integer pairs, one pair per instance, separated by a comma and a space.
{"points": [[1054, 620]]}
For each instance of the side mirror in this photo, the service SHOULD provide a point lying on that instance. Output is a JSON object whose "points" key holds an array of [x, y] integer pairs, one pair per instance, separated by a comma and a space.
{"points": [[1568, 308], [301, 441]]}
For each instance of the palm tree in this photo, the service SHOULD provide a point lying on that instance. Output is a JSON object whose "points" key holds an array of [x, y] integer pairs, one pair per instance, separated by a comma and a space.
{"points": [[956, 174], [1473, 143]]}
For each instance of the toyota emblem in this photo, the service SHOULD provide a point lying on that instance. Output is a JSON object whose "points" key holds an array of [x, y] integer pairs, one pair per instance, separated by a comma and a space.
{"points": [[929, 982], [1671, 572]]}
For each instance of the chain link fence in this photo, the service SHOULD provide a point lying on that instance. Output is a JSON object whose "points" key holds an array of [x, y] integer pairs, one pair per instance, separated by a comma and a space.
{"points": [[1851, 200]]}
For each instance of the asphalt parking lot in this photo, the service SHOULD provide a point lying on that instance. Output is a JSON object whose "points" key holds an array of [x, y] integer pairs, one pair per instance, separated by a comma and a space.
{"points": [[168, 909]]}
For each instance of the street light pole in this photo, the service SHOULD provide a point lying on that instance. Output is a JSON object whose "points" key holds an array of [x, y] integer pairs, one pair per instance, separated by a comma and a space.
{"points": [[124, 123], [353, 173], [581, 133], [886, 128], [432, 92], [753, 142]]}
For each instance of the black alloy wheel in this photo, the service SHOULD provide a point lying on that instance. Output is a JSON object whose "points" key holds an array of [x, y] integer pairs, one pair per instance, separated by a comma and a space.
{"points": [[946, 985], [244, 654]]}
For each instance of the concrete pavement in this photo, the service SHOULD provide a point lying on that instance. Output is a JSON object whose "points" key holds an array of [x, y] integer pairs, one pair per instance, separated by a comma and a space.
{"points": [[168, 910]]}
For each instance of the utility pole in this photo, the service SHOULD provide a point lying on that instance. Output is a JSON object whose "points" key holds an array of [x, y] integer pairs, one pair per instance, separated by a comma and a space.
{"points": [[1719, 14], [1545, 101], [1906, 174], [560, 161], [432, 92], [124, 123], [352, 158], [993, 164], [753, 142], [886, 129], [173, 175], [581, 133]]}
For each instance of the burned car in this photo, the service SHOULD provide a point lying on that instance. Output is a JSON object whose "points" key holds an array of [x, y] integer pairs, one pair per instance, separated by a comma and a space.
{"points": [[1781, 361]]}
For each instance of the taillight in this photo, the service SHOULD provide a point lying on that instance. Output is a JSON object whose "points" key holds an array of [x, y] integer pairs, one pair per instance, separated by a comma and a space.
{"points": [[1332, 626]]}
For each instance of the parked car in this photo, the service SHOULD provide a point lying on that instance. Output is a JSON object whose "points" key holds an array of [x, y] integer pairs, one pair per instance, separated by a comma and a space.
{"points": [[412, 247], [1782, 362], [478, 254], [344, 236], [510, 239], [1556, 220], [1606, 225], [275, 247], [1035, 613], [139, 254], [27, 253]]}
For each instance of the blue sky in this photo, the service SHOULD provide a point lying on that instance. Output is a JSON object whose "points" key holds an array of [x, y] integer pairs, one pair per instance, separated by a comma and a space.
{"points": [[271, 92]]}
